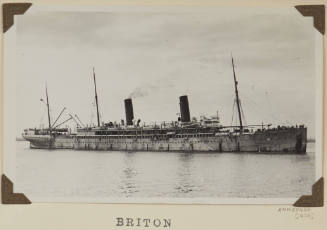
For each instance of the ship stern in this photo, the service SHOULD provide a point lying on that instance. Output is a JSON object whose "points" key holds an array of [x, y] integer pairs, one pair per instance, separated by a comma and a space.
{"points": [[301, 140]]}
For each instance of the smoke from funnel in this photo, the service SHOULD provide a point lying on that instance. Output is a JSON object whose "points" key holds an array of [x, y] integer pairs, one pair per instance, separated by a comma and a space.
{"points": [[138, 92]]}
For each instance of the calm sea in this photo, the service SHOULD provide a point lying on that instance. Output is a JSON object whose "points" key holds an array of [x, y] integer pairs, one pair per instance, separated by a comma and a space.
{"points": [[103, 174]]}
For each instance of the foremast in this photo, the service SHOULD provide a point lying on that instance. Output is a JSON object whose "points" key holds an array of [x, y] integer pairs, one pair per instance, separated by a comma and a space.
{"points": [[48, 108], [237, 98]]}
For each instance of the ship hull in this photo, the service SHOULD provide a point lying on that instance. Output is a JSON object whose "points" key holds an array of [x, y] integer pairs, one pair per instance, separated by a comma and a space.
{"points": [[274, 141]]}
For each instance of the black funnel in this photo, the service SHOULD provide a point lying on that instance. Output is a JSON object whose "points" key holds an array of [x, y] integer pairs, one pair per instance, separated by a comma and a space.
{"points": [[184, 108], [129, 111]]}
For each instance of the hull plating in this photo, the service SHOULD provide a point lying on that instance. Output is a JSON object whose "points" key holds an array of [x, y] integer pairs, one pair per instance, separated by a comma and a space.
{"points": [[277, 141]]}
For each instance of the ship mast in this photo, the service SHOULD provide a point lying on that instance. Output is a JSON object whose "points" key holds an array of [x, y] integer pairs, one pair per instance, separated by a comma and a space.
{"points": [[48, 107], [96, 98], [237, 98]]}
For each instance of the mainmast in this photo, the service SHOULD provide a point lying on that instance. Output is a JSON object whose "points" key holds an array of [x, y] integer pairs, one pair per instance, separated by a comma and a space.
{"points": [[237, 98], [48, 107], [96, 98]]}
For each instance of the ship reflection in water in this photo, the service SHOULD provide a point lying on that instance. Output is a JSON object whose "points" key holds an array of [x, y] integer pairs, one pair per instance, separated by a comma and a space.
{"points": [[79, 175]]}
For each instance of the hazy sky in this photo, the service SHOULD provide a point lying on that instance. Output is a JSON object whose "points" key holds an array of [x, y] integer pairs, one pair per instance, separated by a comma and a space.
{"points": [[157, 57]]}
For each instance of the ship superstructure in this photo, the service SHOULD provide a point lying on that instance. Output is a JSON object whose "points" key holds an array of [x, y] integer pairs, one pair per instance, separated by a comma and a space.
{"points": [[203, 135]]}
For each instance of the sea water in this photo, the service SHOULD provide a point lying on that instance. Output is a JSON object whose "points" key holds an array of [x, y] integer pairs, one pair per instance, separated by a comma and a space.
{"points": [[73, 174]]}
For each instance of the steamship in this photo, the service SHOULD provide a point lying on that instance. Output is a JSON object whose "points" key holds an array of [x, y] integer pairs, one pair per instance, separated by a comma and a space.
{"points": [[184, 134]]}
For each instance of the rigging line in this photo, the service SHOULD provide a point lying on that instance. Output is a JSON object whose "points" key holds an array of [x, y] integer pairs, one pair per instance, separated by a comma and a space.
{"points": [[58, 116], [267, 114], [248, 106], [63, 122], [250, 100], [269, 104], [79, 120], [42, 117], [254, 106], [92, 111], [259, 111], [243, 114], [100, 115], [233, 112]]}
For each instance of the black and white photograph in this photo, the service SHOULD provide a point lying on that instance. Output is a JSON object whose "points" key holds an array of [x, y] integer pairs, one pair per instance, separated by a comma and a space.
{"points": [[163, 105]]}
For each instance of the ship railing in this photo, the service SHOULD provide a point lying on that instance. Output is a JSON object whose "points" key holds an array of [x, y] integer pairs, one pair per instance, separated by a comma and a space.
{"points": [[162, 126], [160, 136], [36, 136]]}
